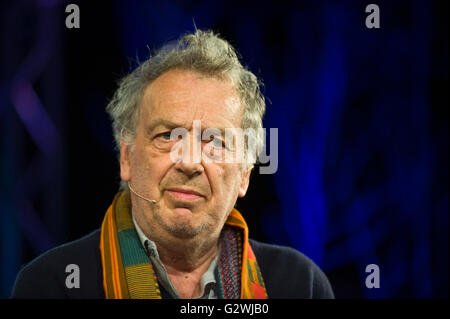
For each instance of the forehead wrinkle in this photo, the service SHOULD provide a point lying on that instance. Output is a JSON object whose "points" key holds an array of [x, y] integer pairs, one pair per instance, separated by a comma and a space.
{"points": [[164, 94]]}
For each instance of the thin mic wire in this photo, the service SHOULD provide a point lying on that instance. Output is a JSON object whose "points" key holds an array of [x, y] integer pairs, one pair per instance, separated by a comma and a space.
{"points": [[144, 198]]}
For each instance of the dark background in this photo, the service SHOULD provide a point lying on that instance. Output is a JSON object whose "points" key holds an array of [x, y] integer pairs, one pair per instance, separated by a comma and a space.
{"points": [[362, 116]]}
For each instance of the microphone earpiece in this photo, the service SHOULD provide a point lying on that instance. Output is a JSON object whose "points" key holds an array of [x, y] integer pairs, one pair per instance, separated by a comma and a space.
{"points": [[144, 198]]}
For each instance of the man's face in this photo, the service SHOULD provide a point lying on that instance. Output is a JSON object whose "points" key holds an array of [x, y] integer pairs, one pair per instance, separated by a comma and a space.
{"points": [[192, 198]]}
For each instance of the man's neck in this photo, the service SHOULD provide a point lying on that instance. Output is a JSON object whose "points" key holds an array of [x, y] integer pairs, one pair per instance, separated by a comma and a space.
{"points": [[185, 260], [179, 258], [181, 254], [185, 274]]}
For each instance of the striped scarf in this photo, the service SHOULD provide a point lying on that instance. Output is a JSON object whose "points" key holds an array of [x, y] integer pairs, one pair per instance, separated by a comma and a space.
{"points": [[128, 271]]}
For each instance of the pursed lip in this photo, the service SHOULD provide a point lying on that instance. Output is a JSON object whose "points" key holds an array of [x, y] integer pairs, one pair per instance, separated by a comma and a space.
{"points": [[186, 191]]}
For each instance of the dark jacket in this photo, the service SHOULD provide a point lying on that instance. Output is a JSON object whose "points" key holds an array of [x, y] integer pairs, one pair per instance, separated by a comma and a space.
{"points": [[286, 272]]}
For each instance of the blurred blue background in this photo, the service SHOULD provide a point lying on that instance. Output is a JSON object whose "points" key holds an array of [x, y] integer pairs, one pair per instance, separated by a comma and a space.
{"points": [[362, 116]]}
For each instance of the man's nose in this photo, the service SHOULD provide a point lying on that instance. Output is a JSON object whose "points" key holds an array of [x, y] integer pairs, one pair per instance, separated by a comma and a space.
{"points": [[189, 167], [190, 162]]}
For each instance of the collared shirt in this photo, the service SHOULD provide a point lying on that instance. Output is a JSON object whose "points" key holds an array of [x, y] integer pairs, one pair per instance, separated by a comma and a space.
{"points": [[207, 282]]}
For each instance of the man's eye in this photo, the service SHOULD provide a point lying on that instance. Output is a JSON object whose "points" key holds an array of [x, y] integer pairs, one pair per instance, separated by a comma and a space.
{"points": [[217, 142], [165, 136]]}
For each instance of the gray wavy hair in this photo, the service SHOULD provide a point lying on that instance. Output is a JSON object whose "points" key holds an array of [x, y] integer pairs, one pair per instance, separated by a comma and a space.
{"points": [[203, 52]]}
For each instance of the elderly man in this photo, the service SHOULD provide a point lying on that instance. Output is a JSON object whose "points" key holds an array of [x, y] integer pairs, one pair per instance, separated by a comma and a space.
{"points": [[172, 231]]}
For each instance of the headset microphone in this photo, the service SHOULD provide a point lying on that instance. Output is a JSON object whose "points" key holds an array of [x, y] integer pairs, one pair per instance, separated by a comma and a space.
{"points": [[144, 198]]}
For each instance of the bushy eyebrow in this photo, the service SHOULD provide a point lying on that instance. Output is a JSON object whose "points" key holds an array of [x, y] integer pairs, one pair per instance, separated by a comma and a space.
{"points": [[171, 125], [161, 122]]}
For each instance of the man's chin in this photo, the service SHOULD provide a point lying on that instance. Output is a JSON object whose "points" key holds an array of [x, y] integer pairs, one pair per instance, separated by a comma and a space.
{"points": [[182, 222], [183, 230], [183, 215], [181, 226]]}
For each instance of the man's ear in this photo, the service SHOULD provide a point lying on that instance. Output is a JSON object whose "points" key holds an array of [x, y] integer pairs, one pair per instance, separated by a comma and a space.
{"points": [[245, 181], [125, 171]]}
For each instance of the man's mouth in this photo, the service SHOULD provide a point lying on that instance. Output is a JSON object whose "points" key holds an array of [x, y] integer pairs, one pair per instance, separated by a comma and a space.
{"points": [[184, 194]]}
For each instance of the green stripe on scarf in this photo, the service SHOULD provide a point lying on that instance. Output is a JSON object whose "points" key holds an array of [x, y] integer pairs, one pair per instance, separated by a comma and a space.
{"points": [[131, 248]]}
